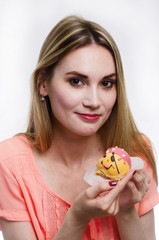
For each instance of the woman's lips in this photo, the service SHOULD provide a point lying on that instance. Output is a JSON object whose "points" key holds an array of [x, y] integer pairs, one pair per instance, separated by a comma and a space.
{"points": [[89, 117]]}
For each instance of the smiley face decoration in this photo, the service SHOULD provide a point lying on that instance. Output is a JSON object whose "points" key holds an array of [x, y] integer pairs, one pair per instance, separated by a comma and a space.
{"points": [[115, 164]]}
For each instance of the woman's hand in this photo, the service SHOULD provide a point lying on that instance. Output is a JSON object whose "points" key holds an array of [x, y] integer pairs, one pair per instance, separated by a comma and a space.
{"points": [[99, 201], [135, 190]]}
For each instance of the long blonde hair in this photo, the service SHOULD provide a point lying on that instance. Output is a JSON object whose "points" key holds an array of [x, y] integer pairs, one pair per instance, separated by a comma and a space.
{"points": [[119, 130]]}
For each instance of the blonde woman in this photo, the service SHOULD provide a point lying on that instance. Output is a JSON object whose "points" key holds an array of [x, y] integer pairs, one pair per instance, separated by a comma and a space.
{"points": [[78, 109]]}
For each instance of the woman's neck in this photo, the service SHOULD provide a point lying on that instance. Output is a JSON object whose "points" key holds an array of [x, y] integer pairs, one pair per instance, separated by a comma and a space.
{"points": [[73, 151]]}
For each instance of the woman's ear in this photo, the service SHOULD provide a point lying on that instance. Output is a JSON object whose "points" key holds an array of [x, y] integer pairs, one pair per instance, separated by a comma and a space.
{"points": [[42, 84], [43, 89]]}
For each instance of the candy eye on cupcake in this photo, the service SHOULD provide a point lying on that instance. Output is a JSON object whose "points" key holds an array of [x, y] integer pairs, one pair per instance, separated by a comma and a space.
{"points": [[115, 164]]}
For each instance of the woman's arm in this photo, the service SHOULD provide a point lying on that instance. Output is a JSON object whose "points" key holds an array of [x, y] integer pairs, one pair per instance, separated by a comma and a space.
{"points": [[17, 230], [71, 229], [148, 223], [131, 226]]}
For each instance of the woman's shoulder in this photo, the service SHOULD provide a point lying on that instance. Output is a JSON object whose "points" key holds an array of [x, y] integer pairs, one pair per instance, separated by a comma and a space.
{"points": [[15, 152], [142, 140], [13, 146], [146, 139]]}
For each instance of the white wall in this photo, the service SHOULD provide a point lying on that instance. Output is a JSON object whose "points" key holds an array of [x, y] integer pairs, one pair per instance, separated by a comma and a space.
{"points": [[24, 25]]}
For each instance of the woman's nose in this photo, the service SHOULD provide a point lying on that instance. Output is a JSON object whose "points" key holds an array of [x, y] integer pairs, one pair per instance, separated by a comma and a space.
{"points": [[91, 99]]}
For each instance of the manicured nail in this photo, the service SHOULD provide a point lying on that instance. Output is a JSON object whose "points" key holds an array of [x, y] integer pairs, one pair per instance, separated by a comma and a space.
{"points": [[134, 172], [112, 183]]}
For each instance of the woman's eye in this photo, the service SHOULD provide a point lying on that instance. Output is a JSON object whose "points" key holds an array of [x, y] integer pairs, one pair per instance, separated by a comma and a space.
{"points": [[107, 84], [75, 81]]}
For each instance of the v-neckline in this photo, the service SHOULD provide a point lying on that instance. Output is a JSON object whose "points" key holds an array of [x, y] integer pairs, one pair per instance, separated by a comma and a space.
{"points": [[40, 176]]}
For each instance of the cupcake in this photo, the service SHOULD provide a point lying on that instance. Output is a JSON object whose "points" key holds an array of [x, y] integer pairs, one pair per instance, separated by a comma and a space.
{"points": [[115, 164]]}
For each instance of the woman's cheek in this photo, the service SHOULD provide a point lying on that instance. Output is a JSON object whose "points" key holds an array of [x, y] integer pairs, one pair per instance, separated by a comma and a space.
{"points": [[63, 100]]}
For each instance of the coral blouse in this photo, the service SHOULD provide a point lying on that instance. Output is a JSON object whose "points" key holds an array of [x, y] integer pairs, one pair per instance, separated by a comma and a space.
{"points": [[24, 196]]}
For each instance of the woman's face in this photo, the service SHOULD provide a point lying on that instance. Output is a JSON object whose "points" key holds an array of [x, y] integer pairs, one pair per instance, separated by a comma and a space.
{"points": [[82, 90]]}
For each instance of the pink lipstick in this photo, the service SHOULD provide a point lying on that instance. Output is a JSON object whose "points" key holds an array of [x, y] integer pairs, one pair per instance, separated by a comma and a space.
{"points": [[89, 117]]}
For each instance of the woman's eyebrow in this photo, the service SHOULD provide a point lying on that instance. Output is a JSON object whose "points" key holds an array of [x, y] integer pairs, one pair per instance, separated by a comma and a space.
{"points": [[77, 74], [86, 77], [110, 76]]}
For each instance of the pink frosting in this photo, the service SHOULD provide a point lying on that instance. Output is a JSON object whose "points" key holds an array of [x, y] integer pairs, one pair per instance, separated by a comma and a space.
{"points": [[122, 153]]}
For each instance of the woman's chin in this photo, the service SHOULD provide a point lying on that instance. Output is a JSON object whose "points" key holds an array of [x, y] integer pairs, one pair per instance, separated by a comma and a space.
{"points": [[87, 132], [77, 130]]}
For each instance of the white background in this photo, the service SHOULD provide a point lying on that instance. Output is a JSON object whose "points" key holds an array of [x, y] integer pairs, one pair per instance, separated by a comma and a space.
{"points": [[24, 25]]}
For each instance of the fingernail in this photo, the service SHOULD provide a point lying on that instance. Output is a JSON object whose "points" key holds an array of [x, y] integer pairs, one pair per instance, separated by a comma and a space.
{"points": [[134, 172], [112, 183]]}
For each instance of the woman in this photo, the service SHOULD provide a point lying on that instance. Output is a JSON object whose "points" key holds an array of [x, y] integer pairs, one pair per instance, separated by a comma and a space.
{"points": [[79, 109]]}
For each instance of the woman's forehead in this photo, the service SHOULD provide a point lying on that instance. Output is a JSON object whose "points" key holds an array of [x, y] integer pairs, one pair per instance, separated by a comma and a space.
{"points": [[91, 58]]}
